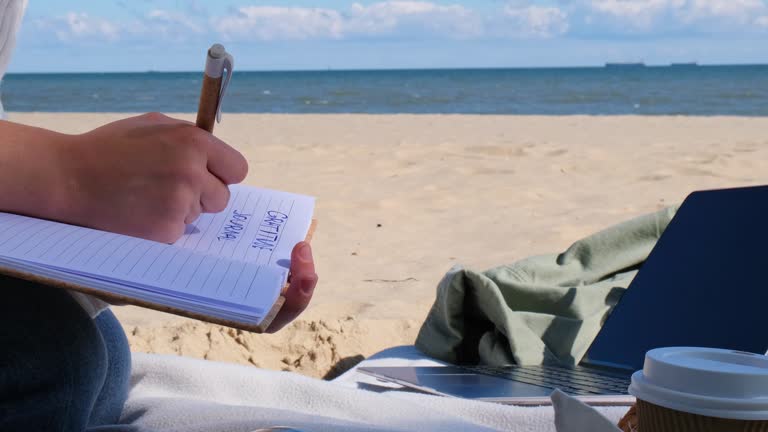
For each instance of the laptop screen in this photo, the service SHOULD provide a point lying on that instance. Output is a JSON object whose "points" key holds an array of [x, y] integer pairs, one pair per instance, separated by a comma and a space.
{"points": [[705, 283]]}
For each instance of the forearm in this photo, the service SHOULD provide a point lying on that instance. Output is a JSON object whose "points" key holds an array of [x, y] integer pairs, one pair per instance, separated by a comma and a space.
{"points": [[31, 181]]}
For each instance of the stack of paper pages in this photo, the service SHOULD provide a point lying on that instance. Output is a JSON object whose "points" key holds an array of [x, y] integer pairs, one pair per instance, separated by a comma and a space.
{"points": [[228, 267]]}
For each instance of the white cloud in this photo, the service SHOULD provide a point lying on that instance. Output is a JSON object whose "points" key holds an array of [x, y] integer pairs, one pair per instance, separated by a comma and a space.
{"points": [[155, 24], [738, 11], [414, 19], [633, 8], [378, 19], [637, 13], [74, 25], [273, 22], [164, 25], [645, 13], [426, 18], [536, 21], [174, 19]]}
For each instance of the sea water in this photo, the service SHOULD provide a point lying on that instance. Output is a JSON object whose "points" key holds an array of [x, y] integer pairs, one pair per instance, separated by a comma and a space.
{"points": [[683, 90]]}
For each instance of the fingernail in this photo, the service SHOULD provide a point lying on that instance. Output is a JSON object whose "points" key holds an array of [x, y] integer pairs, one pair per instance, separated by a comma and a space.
{"points": [[305, 253]]}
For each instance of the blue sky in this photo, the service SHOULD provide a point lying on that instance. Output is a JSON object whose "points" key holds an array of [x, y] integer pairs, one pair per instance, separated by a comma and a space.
{"points": [[172, 35]]}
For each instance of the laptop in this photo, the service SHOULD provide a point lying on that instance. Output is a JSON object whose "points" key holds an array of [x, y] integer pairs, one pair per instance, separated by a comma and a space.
{"points": [[704, 284]]}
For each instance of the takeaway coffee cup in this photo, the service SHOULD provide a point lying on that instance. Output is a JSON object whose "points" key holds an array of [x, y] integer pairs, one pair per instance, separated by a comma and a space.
{"points": [[701, 389]]}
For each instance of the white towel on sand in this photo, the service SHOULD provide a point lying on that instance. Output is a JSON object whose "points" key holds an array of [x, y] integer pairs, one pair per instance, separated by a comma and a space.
{"points": [[182, 394]]}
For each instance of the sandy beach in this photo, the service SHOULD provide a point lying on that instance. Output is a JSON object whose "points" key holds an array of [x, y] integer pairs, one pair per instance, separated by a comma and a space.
{"points": [[403, 198]]}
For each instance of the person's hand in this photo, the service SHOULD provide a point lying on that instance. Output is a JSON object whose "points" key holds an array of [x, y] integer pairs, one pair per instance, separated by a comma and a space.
{"points": [[146, 176], [302, 282]]}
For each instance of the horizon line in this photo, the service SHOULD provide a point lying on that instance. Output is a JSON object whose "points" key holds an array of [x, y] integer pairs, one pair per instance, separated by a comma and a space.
{"points": [[403, 69]]}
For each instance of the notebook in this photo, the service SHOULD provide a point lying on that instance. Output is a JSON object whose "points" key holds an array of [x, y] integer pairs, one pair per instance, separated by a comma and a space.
{"points": [[228, 268]]}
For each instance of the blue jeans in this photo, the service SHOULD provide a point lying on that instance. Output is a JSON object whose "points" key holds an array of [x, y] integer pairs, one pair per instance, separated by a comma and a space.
{"points": [[60, 370]]}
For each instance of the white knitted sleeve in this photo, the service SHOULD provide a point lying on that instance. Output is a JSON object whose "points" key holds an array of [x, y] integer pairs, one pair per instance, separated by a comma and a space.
{"points": [[11, 12]]}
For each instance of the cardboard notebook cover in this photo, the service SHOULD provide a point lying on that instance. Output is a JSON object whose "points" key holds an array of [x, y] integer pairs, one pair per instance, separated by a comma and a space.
{"points": [[110, 297]]}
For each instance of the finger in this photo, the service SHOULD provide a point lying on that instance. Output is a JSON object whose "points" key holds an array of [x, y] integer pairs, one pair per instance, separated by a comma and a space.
{"points": [[296, 301], [225, 162], [301, 259], [160, 118], [302, 286], [214, 196], [164, 232], [195, 209]]}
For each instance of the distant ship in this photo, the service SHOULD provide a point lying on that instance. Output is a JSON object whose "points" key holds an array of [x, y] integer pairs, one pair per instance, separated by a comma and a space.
{"points": [[625, 65], [686, 64]]}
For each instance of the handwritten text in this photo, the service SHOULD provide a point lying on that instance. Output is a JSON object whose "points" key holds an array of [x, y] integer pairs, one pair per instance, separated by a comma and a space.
{"points": [[269, 230], [234, 226]]}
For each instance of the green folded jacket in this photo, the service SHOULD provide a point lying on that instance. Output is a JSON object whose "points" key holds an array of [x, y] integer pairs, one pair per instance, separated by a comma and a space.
{"points": [[541, 310]]}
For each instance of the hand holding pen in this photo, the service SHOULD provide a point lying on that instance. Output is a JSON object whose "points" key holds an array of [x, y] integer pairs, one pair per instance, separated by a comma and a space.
{"points": [[146, 176]]}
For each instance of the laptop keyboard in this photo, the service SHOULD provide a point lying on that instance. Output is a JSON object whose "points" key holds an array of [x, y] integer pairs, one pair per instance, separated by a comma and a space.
{"points": [[577, 381]]}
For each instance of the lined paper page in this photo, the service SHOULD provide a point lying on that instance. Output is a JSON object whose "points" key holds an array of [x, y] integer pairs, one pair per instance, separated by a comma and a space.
{"points": [[258, 225], [236, 256]]}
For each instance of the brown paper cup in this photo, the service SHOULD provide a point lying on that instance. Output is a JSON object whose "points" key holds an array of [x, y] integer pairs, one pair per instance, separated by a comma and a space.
{"points": [[654, 418]]}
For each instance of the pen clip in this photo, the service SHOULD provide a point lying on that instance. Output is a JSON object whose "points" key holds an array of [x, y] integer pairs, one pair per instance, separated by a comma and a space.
{"points": [[227, 65]]}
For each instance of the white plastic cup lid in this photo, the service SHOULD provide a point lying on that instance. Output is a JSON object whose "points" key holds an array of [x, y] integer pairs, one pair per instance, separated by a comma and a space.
{"points": [[705, 381]]}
